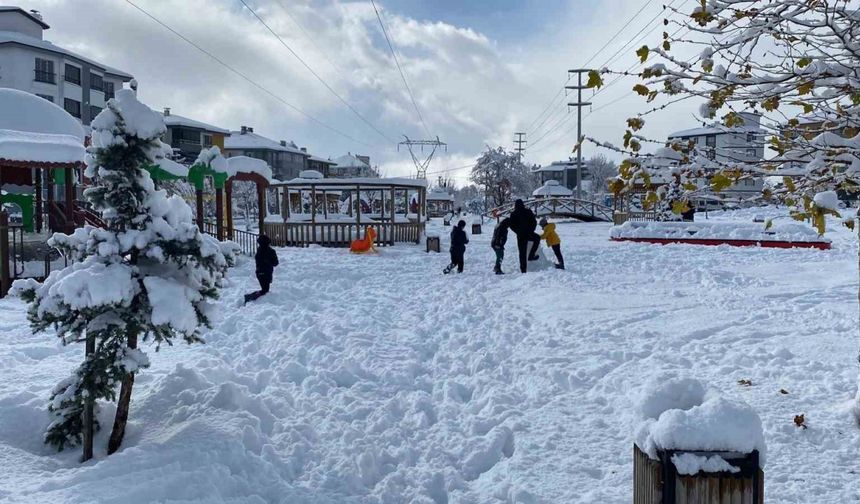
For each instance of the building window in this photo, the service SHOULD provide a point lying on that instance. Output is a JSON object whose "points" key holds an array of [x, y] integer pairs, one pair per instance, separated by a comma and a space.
{"points": [[46, 97], [751, 153], [94, 111], [72, 107], [96, 82], [188, 136], [73, 74], [711, 140], [109, 90], [207, 140], [750, 137], [45, 71]]}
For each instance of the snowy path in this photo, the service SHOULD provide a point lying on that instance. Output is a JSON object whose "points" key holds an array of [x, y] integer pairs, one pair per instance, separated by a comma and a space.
{"points": [[371, 379]]}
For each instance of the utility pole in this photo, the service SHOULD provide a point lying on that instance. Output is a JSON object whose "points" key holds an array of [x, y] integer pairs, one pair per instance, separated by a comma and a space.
{"points": [[520, 149], [578, 104], [422, 164]]}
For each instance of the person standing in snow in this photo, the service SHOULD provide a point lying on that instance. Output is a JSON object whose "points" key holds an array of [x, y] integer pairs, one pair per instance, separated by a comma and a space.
{"points": [[500, 237], [552, 241], [523, 222], [266, 260], [458, 247]]}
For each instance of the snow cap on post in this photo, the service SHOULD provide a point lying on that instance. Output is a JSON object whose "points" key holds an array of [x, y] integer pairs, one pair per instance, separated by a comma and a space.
{"points": [[681, 414]]}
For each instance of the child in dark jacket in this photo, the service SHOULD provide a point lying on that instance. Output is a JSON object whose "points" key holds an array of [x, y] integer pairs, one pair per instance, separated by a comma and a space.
{"points": [[500, 237], [458, 247], [266, 259]]}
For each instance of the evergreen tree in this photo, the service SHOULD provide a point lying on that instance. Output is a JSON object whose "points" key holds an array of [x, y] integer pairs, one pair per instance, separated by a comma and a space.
{"points": [[148, 275]]}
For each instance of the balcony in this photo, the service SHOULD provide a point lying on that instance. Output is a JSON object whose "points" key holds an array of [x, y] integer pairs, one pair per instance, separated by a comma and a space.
{"points": [[46, 77]]}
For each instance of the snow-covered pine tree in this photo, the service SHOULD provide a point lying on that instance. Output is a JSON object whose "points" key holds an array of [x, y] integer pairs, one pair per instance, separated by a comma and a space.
{"points": [[148, 275]]}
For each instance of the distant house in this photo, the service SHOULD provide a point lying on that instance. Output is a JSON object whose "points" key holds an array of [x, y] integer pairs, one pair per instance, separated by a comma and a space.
{"points": [[28, 63], [725, 145], [439, 202], [286, 158], [352, 166], [564, 172], [188, 136], [319, 164]]}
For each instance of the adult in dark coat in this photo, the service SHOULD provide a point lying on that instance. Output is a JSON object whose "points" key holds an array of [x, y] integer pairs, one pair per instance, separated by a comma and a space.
{"points": [[523, 222], [266, 259]]}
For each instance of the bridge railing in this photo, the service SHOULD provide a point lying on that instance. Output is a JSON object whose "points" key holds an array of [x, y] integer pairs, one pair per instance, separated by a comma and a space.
{"points": [[559, 206]]}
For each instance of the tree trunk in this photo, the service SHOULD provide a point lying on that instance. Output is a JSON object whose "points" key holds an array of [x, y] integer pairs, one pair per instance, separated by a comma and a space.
{"points": [[89, 408], [123, 405]]}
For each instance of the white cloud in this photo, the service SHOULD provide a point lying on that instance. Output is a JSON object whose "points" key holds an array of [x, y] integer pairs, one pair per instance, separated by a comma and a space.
{"points": [[472, 89]]}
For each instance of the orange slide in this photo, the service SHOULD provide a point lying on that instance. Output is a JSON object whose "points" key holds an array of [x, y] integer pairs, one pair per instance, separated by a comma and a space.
{"points": [[365, 244]]}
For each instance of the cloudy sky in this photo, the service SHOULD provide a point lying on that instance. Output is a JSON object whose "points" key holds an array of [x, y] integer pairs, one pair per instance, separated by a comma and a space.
{"points": [[479, 69]]}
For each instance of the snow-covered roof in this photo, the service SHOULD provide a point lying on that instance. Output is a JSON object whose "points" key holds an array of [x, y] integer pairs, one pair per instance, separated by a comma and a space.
{"points": [[552, 188], [310, 174], [245, 164], [350, 161], [251, 140], [10, 37], [36, 130], [321, 160], [715, 129], [351, 183], [172, 167], [178, 120], [555, 166], [439, 195]]}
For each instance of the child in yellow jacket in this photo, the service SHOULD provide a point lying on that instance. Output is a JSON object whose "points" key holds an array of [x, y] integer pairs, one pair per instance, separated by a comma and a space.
{"points": [[552, 241]]}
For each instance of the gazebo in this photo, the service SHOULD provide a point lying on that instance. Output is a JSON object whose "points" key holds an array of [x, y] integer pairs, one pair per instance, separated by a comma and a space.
{"points": [[552, 189], [439, 202], [369, 202], [41, 145]]}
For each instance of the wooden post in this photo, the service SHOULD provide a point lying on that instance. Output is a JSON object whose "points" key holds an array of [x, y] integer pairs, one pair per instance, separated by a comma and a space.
{"points": [[393, 227], [358, 207], [39, 210], [287, 203], [219, 214], [5, 274], [325, 206], [198, 192], [49, 183], [228, 190], [313, 214], [261, 204], [350, 203], [70, 201], [89, 407]]}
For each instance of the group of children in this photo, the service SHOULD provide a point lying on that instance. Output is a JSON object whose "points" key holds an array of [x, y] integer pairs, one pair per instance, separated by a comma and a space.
{"points": [[500, 237]]}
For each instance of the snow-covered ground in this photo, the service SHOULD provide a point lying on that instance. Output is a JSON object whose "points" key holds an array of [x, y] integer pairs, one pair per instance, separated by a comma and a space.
{"points": [[376, 379]]}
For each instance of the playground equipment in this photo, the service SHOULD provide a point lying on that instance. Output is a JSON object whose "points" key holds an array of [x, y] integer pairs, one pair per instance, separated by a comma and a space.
{"points": [[364, 245]]}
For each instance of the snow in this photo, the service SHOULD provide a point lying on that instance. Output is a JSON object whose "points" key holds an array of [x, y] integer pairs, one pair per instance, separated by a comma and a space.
{"points": [[828, 200], [250, 140], [34, 129], [172, 303], [172, 167], [40, 147], [310, 174], [691, 464], [245, 164], [696, 419], [552, 188], [793, 232], [141, 121], [376, 379]]}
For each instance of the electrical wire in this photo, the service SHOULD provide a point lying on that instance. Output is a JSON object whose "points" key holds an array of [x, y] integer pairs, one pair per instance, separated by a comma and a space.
{"points": [[399, 68], [244, 76], [313, 72]]}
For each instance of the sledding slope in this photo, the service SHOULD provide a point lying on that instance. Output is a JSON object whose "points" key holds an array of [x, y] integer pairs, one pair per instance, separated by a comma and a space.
{"points": [[376, 379]]}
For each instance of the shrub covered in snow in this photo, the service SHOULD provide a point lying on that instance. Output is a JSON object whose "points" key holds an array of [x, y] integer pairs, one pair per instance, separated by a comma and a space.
{"points": [[149, 274]]}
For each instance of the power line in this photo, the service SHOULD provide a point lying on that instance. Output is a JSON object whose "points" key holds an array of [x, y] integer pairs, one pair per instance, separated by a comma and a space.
{"points": [[243, 76], [311, 70], [399, 68], [307, 36], [647, 2]]}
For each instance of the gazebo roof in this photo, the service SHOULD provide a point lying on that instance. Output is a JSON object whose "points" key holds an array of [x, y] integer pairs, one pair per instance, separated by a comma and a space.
{"points": [[249, 165], [352, 183], [34, 131], [437, 195], [552, 188]]}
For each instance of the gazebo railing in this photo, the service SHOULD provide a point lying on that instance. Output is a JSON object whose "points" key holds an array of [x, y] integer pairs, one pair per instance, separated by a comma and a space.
{"points": [[247, 241], [341, 234]]}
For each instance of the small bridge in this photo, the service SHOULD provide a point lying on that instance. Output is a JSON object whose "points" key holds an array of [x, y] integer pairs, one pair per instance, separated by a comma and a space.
{"points": [[566, 206]]}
